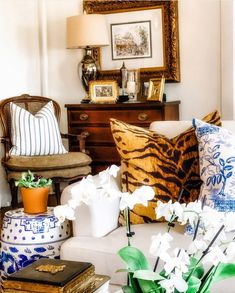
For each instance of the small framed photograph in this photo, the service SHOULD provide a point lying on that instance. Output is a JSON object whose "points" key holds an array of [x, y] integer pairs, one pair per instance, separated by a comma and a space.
{"points": [[156, 89], [131, 40], [103, 91]]}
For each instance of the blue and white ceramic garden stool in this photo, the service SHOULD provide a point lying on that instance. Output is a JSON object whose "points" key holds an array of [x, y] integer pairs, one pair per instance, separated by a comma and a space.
{"points": [[26, 238]]}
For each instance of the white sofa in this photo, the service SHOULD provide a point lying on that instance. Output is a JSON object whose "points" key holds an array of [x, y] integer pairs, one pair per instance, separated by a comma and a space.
{"points": [[102, 219]]}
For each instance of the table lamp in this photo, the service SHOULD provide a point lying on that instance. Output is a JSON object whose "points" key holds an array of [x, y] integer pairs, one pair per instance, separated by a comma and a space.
{"points": [[87, 31]]}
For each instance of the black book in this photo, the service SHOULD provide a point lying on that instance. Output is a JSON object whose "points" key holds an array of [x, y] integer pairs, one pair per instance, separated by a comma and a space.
{"points": [[74, 274]]}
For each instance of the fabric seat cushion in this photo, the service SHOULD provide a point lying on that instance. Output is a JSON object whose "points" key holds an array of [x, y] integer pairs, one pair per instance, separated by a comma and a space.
{"points": [[66, 174], [46, 163]]}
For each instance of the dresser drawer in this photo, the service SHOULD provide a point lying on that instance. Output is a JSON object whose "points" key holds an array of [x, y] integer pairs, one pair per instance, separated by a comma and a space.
{"points": [[139, 116], [94, 119], [95, 134]]}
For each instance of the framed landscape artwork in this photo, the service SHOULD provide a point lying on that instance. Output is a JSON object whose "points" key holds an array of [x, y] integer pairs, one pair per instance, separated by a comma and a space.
{"points": [[131, 40], [157, 37]]}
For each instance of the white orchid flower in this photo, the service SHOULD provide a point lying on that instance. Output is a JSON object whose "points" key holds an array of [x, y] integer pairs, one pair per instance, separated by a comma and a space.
{"points": [[106, 175], [113, 170], [179, 262], [160, 244], [164, 210], [211, 218], [229, 220], [63, 212], [196, 246], [230, 252], [139, 196], [127, 201], [209, 234], [144, 194], [175, 281], [191, 213], [178, 210], [215, 256]]}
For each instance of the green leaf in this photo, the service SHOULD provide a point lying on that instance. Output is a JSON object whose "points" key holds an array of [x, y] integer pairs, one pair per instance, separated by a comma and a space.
{"points": [[134, 283], [134, 258], [206, 282], [224, 271], [147, 275], [193, 285], [149, 286], [221, 272], [122, 271], [128, 289], [198, 271]]}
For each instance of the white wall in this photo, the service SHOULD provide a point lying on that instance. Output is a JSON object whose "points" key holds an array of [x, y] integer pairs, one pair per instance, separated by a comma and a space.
{"points": [[19, 58], [199, 28], [227, 60], [33, 57]]}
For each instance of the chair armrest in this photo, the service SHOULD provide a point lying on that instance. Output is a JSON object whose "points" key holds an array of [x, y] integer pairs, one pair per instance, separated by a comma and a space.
{"points": [[7, 144], [81, 138]]}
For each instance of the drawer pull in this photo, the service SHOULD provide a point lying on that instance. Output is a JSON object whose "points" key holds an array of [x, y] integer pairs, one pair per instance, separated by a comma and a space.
{"points": [[143, 117], [83, 116], [85, 133]]}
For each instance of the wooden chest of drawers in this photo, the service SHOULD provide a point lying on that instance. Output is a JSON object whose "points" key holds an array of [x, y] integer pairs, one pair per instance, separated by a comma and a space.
{"points": [[94, 119]]}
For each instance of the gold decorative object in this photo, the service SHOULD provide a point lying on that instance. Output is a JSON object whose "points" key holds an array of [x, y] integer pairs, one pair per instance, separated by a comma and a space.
{"points": [[52, 269], [171, 67], [103, 91], [156, 88]]}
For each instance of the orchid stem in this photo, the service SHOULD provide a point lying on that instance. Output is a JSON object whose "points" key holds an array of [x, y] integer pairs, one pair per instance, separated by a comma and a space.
{"points": [[198, 222], [196, 229], [180, 195], [129, 234], [156, 264], [206, 251]]}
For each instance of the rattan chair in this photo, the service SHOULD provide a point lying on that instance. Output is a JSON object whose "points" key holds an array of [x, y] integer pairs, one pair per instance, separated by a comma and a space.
{"points": [[68, 167]]}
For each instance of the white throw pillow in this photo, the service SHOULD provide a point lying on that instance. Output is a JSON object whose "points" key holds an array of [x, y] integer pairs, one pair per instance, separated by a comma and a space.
{"points": [[35, 135], [217, 165]]}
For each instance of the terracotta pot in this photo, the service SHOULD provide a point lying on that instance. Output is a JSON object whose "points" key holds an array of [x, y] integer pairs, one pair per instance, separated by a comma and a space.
{"points": [[35, 199]]}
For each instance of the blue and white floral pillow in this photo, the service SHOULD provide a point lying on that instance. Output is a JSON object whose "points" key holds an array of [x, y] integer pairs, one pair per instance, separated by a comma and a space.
{"points": [[216, 147]]}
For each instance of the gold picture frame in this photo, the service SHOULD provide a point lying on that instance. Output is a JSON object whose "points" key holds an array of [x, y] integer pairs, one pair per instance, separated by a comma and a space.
{"points": [[156, 89], [170, 35], [103, 91]]}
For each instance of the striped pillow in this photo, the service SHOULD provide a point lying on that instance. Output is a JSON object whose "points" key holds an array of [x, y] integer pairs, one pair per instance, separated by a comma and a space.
{"points": [[35, 135]]}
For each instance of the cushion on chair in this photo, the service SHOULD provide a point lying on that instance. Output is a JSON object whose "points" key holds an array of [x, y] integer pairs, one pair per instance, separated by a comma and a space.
{"points": [[46, 163], [66, 174], [168, 165], [37, 134]]}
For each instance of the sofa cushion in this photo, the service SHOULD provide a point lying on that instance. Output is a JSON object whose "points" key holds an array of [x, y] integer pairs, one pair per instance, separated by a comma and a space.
{"points": [[103, 251], [37, 134], [168, 165], [217, 165]]}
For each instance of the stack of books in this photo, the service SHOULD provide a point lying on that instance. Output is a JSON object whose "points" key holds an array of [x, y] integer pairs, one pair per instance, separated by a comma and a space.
{"points": [[55, 276]]}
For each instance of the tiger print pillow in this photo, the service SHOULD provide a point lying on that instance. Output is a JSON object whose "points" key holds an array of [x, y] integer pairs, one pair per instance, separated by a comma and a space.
{"points": [[168, 165]]}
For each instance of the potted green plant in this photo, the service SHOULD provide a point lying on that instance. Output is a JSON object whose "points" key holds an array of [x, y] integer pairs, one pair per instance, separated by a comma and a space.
{"points": [[34, 190]]}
